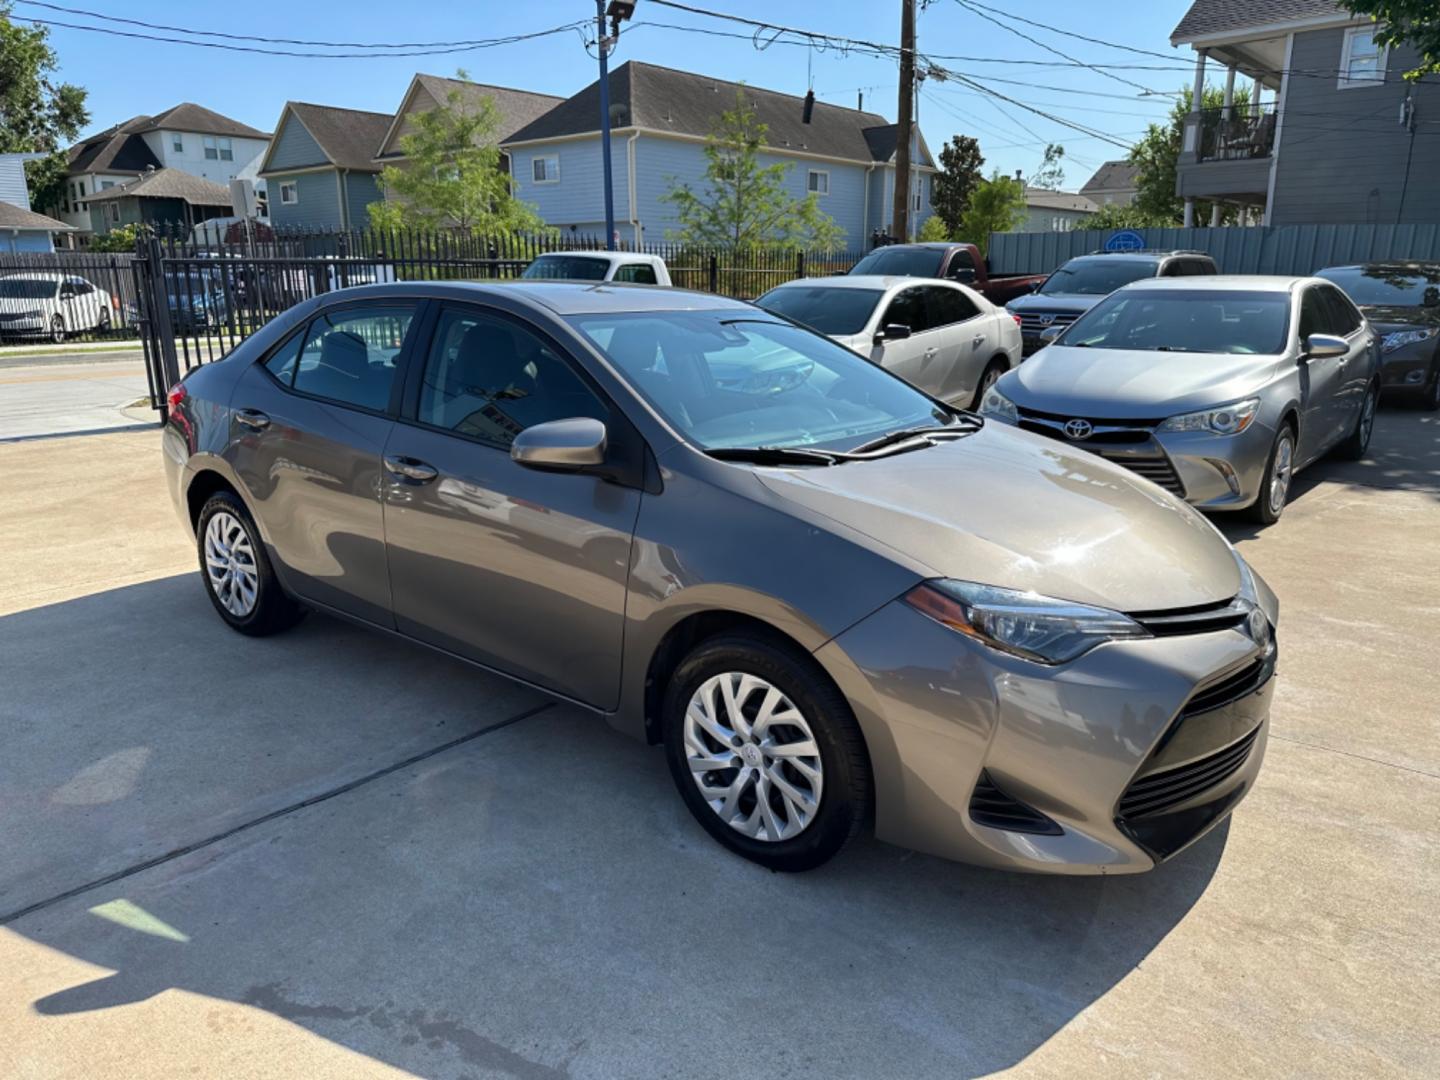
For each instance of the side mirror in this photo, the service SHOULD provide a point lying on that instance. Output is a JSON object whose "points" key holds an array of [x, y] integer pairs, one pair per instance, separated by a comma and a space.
{"points": [[561, 445], [892, 332], [964, 274], [67, 293], [1319, 346], [1037, 286], [1050, 333]]}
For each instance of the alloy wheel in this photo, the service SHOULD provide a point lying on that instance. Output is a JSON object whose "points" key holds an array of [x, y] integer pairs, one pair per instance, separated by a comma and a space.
{"points": [[1280, 475], [57, 329], [1367, 417], [230, 564], [753, 756]]}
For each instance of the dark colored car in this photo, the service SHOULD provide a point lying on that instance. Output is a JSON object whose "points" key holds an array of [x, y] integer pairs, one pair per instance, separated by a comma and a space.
{"points": [[1086, 280], [1402, 301], [949, 261]]}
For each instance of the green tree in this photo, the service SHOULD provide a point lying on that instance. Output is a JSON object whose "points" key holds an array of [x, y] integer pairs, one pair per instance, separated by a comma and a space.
{"points": [[959, 176], [1051, 174], [1158, 153], [1116, 216], [934, 229], [119, 238], [997, 205], [741, 202], [451, 177], [1416, 22], [38, 115]]}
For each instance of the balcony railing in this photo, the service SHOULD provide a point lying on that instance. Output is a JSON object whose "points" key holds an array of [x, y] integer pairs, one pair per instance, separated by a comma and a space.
{"points": [[1248, 131]]}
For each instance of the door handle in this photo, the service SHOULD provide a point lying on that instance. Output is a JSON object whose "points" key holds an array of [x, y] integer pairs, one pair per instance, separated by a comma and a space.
{"points": [[930, 352], [979, 340], [254, 419], [410, 468]]}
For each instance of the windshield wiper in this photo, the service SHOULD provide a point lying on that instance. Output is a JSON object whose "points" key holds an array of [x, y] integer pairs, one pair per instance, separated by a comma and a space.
{"points": [[924, 435], [1173, 348], [778, 455]]}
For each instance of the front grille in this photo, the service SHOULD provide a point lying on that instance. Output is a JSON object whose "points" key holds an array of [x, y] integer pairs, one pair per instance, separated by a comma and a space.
{"points": [[1202, 619], [1243, 683], [992, 807], [1157, 470], [1112, 439], [1033, 322], [1159, 792]]}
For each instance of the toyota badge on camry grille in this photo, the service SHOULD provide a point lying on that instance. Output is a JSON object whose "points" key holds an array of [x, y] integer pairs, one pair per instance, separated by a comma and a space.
{"points": [[1078, 429]]}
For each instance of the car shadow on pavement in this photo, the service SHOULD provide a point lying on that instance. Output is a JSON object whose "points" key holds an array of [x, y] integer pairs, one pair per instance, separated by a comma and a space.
{"points": [[533, 902]]}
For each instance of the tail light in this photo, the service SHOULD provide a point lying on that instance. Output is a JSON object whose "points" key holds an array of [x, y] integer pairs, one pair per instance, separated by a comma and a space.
{"points": [[1018, 321], [114, 302], [175, 397]]}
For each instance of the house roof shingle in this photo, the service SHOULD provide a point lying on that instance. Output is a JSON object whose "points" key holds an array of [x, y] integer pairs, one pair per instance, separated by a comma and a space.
{"points": [[17, 217], [187, 116], [1112, 176], [347, 137], [120, 148], [168, 184], [517, 108], [1207, 17], [1045, 199], [663, 99]]}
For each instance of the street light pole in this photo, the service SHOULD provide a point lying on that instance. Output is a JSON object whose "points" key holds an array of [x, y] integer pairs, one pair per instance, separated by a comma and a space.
{"points": [[605, 120]]}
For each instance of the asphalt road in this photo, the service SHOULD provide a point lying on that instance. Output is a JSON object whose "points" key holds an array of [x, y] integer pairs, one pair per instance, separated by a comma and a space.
{"points": [[332, 854]]}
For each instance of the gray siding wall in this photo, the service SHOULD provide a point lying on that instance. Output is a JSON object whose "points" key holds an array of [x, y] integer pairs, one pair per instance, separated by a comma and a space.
{"points": [[361, 190], [294, 148], [319, 204], [12, 181], [1342, 154]]}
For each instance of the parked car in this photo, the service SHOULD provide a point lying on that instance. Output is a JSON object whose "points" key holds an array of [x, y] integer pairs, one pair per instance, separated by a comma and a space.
{"points": [[49, 304], [1083, 282], [939, 336], [599, 266], [823, 591], [1218, 389], [1402, 302], [952, 262]]}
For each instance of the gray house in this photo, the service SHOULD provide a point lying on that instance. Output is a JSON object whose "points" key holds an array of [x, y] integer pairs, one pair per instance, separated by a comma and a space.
{"points": [[21, 229], [1332, 133], [1114, 184], [320, 171]]}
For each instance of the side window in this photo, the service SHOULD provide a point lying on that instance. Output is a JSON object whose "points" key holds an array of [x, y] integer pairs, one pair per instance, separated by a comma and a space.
{"points": [[1314, 315], [639, 273], [947, 307], [1174, 268], [907, 309], [349, 355], [1343, 316], [491, 379], [962, 267], [285, 359], [1204, 266]]}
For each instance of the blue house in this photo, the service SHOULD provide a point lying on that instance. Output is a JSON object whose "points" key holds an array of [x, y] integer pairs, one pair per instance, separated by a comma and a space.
{"points": [[21, 229], [320, 170], [660, 119]]}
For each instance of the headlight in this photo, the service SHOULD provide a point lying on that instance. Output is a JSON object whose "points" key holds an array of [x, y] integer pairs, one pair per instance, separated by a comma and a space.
{"points": [[999, 406], [1400, 338], [1223, 420], [1035, 627]]}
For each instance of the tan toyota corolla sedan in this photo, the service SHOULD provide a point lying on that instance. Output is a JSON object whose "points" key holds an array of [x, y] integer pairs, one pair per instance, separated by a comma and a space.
{"points": [[833, 599]]}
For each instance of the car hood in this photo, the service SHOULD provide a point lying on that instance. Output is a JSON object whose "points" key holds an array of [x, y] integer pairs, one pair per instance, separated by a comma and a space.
{"points": [[1387, 319], [1079, 303], [1007, 508], [1127, 384]]}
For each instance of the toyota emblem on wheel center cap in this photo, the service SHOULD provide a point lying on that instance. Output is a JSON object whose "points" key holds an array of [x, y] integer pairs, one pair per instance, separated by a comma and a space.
{"points": [[1078, 429]]}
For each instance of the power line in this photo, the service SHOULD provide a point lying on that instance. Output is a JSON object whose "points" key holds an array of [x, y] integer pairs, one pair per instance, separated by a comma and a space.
{"points": [[1070, 33]]}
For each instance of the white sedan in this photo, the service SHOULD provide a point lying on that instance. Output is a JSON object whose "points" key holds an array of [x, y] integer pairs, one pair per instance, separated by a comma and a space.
{"points": [[50, 304], [941, 337]]}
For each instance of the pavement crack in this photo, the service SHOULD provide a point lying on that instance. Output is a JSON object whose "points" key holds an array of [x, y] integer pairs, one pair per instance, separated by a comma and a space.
{"points": [[1351, 754], [245, 826]]}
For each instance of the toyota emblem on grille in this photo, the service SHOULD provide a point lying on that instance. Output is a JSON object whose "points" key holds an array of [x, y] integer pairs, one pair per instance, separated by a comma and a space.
{"points": [[1078, 429], [1046, 320]]}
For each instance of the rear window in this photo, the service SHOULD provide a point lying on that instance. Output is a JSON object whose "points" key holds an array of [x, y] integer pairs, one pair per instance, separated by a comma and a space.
{"points": [[1185, 321], [901, 262], [1097, 277], [567, 268], [828, 310]]}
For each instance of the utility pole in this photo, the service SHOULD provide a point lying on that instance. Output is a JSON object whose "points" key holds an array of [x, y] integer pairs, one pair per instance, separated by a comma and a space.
{"points": [[905, 123], [619, 11]]}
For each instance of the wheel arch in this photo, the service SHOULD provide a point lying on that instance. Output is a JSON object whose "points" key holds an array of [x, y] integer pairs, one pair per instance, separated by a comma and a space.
{"points": [[208, 474]]}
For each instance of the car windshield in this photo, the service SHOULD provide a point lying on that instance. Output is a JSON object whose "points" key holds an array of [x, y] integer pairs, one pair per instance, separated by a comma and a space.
{"points": [[567, 268], [19, 288], [1185, 320], [828, 309], [901, 262], [1096, 277], [730, 380], [1388, 286]]}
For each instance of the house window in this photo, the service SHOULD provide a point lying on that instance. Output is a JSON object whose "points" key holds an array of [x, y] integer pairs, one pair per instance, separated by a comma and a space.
{"points": [[177, 143], [819, 182], [917, 196], [289, 193], [1362, 61], [106, 184], [218, 149], [82, 189], [112, 212], [545, 168]]}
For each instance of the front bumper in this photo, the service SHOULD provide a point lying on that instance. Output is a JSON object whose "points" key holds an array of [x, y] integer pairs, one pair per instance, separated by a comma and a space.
{"points": [[11, 327], [1116, 751], [1407, 370]]}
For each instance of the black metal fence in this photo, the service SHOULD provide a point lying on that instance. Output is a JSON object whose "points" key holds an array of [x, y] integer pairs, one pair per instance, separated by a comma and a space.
{"points": [[190, 305]]}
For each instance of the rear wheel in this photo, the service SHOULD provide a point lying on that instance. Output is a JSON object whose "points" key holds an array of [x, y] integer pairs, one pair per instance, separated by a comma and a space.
{"points": [[102, 321], [987, 380], [238, 577], [1355, 445], [57, 329], [766, 752], [1275, 487]]}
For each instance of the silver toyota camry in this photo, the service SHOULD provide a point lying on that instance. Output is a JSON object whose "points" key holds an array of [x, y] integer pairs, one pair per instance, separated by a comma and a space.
{"points": [[834, 600], [1219, 389]]}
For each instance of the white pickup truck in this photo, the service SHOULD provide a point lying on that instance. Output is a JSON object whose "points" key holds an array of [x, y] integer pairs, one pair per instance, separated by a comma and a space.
{"points": [[599, 266]]}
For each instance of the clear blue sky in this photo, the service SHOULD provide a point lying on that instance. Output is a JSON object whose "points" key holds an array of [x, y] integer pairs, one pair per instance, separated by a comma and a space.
{"points": [[126, 77]]}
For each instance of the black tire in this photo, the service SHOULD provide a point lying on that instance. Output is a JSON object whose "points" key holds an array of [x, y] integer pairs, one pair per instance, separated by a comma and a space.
{"points": [[845, 792], [1358, 441], [993, 371], [273, 609], [57, 329], [102, 323], [1429, 398], [1263, 510]]}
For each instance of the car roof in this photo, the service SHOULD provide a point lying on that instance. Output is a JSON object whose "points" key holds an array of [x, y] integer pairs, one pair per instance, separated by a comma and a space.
{"points": [[861, 281], [560, 297], [1412, 266], [1223, 283], [601, 255]]}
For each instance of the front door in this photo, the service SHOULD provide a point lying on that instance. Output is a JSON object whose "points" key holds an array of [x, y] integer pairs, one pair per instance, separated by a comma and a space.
{"points": [[524, 571], [308, 429], [1321, 379]]}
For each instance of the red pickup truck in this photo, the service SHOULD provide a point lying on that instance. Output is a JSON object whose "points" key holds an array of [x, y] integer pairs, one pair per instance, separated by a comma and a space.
{"points": [[956, 262]]}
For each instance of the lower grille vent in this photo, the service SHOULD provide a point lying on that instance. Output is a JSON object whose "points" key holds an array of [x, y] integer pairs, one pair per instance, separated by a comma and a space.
{"points": [[1158, 792], [991, 806]]}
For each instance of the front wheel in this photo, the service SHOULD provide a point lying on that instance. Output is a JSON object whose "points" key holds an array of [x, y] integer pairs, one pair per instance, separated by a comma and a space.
{"points": [[766, 752], [1358, 441], [1430, 397], [987, 380], [238, 576], [57, 329], [1275, 486], [102, 321]]}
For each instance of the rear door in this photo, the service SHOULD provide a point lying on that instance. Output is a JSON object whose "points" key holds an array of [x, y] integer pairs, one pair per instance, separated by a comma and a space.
{"points": [[308, 428], [965, 338], [912, 358], [1355, 373]]}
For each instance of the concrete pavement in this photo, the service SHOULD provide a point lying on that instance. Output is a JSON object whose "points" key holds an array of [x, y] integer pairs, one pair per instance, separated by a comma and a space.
{"points": [[72, 393], [332, 854]]}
